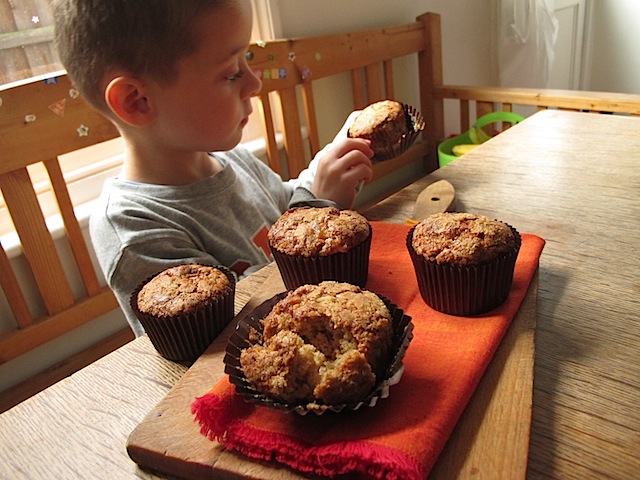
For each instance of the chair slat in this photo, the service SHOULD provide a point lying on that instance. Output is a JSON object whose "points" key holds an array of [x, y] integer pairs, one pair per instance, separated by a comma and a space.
{"points": [[294, 145], [13, 292], [269, 131], [357, 89], [72, 228], [37, 244], [373, 74], [310, 117], [389, 87], [464, 115]]}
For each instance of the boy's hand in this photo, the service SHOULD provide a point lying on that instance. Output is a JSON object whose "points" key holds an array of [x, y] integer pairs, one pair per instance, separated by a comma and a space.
{"points": [[345, 165]]}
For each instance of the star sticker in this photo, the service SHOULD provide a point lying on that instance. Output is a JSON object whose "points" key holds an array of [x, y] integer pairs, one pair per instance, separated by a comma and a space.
{"points": [[83, 131], [35, 19]]}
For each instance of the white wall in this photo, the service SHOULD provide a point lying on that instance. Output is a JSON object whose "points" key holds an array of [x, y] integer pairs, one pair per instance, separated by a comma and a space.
{"points": [[613, 61]]}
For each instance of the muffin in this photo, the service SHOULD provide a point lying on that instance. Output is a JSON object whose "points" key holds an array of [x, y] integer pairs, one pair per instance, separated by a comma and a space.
{"points": [[312, 244], [184, 308], [390, 126], [326, 343], [464, 262]]}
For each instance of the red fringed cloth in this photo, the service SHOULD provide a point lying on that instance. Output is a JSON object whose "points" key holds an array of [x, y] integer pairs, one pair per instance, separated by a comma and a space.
{"points": [[402, 436]]}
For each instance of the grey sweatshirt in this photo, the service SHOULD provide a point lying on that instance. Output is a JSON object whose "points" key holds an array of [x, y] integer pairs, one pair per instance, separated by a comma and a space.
{"points": [[138, 229]]}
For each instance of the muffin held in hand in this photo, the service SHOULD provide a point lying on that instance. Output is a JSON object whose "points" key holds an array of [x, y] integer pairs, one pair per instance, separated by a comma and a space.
{"points": [[390, 126], [464, 262], [312, 244], [328, 343], [184, 308]]}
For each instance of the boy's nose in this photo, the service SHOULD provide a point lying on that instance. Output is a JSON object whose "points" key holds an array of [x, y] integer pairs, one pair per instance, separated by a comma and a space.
{"points": [[254, 84]]}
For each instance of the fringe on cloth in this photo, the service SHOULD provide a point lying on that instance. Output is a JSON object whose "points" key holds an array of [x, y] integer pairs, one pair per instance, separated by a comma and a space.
{"points": [[221, 419]]}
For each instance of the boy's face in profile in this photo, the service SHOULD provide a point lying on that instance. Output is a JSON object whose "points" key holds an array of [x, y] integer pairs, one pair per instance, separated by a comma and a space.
{"points": [[208, 104]]}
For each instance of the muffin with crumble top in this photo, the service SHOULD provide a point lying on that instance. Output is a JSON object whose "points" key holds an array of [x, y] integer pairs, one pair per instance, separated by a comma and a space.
{"points": [[312, 244], [184, 308], [464, 262]]}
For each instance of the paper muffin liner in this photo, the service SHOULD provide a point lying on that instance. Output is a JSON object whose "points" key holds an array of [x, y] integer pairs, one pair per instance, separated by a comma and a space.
{"points": [[416, 125], [465, 290], [184, 337], [242, 338], [350, 267]]}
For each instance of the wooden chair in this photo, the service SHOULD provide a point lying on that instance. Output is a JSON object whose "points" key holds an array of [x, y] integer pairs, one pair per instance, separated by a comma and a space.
{"points": [[292, 68], [39, 121]]}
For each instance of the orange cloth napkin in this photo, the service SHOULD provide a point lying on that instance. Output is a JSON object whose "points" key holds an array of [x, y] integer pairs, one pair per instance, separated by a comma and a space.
{"points": [[402, 436]]}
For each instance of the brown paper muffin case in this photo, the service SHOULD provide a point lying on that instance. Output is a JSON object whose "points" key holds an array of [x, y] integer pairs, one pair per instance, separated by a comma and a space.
{"points": [[416, 125], [350, 267], [464, 290], [185, 337]]}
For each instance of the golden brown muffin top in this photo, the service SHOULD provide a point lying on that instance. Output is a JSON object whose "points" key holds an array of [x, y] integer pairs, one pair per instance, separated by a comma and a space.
{"points": [[321, 342], [384, 124], [376, 116], [462, 238], [311, 231], [181, 288]]}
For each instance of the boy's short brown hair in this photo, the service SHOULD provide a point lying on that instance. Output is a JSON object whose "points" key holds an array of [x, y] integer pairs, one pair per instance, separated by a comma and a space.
{"points": [[141, 37]]}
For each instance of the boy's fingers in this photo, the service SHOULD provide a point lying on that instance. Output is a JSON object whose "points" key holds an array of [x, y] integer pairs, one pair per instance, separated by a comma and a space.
{"points": [[350, 145]]}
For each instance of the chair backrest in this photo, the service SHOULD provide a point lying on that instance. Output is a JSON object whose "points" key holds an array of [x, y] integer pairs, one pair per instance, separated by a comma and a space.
{"points": [[290, 68], [39, 121]]}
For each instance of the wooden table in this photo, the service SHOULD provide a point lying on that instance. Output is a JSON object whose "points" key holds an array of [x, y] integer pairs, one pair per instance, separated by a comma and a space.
{"points": [[571, 178]]}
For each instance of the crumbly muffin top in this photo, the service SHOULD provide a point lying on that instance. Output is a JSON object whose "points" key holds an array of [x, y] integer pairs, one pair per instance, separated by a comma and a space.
{"points": [[325, 342], [181, 288], [461, 238], [376, 115], [384, 123], [311, 231]]}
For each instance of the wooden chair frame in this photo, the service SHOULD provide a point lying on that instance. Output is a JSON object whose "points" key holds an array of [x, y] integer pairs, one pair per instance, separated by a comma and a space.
{"points": [[41, 120]]}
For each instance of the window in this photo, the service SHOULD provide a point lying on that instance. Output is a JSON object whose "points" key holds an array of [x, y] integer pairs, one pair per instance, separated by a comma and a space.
{"points": [[26, 50]]}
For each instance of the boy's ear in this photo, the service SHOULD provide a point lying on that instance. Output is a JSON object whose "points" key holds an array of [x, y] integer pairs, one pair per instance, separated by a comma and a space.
{"points": [[126, 98]]}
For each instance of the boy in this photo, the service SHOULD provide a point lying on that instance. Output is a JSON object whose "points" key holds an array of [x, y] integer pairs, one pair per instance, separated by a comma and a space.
{"points": [[173, 77]]}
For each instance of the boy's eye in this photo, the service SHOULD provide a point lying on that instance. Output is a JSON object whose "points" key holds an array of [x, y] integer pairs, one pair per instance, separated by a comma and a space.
{"points": [[235, 76]]}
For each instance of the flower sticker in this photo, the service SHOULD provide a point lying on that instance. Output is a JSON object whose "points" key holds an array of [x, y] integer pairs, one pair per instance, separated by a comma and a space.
{"points": [[30, 118], [73, 93]]}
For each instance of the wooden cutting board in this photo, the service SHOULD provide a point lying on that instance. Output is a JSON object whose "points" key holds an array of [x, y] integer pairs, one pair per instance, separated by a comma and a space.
{"points": [[490, 441]]}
